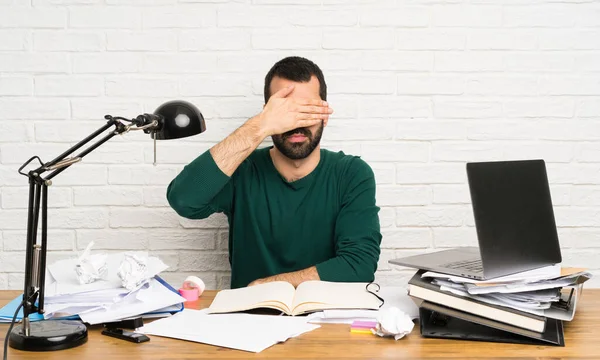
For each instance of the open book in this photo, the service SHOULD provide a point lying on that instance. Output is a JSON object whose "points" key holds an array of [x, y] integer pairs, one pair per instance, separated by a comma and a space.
{"points": [[310, 296]]}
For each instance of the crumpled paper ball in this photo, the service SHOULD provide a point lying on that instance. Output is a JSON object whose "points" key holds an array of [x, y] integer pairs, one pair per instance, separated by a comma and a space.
{"points": [[132, 271], [90, 268], [393, 322]]}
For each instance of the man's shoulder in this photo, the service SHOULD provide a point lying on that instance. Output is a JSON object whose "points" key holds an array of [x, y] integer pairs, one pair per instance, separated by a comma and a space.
{"points": [[258, 155], [348, 164], [351, 172], [255, 161]]}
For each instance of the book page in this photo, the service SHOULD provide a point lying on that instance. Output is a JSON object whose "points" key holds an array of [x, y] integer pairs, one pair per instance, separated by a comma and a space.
{"points": [[321, 295], [277, 295]]}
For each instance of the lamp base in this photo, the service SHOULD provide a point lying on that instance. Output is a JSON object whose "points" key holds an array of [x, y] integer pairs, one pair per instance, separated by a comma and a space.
{"points": [[49, 335]]}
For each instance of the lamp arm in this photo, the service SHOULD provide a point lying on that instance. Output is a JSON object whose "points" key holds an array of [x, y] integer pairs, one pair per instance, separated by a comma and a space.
{"points": [[67, 164], [35, 255], [119, 130]]}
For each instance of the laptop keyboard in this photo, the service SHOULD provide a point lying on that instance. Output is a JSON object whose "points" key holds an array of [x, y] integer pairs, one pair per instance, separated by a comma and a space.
{"points": [[471, 265]]}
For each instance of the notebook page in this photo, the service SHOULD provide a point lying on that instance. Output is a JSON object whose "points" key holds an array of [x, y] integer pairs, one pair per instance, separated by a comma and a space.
{"points": [[320, 295], [277, 295]]}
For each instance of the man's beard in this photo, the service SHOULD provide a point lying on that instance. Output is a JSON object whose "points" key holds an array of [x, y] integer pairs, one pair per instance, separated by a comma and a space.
{"points": [[301, 150]]}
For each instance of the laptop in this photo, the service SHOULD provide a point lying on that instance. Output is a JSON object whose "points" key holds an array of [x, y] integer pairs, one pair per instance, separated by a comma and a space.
{"points": [[514, 221]]}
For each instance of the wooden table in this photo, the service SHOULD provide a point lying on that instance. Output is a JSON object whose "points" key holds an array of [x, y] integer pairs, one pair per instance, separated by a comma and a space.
{"points": [[582, 338]]}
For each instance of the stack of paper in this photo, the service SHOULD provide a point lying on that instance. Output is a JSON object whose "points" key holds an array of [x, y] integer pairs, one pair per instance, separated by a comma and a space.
{"points": [[528, 307], [393, 296], [247, 332], [104, 300], [107, 300], [536, 292], [342, 316]]}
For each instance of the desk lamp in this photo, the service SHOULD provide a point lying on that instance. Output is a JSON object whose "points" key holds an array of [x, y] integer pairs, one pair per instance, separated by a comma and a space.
{"points": [[172, 120]]}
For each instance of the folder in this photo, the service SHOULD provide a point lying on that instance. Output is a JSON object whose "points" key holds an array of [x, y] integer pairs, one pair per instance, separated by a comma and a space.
{"points": [[8, 311], [438, 321]]}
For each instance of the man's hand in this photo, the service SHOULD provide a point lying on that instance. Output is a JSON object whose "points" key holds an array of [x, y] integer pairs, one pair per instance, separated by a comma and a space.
{"points": [[282, 114], [295, 278]]}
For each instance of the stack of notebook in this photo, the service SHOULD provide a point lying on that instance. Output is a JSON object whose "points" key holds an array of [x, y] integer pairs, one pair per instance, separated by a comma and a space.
{"points": [[526, 310]]}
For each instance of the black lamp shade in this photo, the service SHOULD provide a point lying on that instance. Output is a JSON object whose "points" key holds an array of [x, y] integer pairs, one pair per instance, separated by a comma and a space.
{"points": [[179, 119]]}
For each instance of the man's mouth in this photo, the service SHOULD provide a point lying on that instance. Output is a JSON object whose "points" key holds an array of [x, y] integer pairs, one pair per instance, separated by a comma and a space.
{"points": [[296, 138]]}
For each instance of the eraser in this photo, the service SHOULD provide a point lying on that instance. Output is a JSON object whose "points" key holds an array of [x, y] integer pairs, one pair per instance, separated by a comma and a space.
{"points": [[364, 324]]}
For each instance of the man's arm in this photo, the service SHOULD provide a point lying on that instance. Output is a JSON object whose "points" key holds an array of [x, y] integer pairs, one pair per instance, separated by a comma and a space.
{"points": [[234, 149], [295, 278], [357, 230], [203, 187]]}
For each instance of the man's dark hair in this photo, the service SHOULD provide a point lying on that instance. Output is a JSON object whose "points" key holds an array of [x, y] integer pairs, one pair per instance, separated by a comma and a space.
{"points": [[297, 69]]}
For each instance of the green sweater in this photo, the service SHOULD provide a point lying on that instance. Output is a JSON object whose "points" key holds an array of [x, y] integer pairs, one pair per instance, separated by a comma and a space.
{"points": [[328, 218]]}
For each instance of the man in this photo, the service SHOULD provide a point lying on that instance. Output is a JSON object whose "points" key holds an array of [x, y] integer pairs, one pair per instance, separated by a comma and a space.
{"points": [[296, 212]]}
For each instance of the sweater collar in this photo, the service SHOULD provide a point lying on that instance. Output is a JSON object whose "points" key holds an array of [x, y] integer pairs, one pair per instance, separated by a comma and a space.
{"points": [[300, 183]]}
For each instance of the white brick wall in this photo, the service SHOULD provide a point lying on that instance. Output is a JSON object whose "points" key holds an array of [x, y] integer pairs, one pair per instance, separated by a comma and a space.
{"points": [[418, 87]]}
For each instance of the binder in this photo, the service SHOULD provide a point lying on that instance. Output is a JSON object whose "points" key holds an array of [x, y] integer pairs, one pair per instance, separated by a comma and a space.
{"points": [[8, 311], [438, 321], [423, 289], [173, 309]]}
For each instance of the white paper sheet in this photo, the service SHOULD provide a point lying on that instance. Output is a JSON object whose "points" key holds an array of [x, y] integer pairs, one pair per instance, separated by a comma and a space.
{"points": [[65, 310], [348, 321], [149, 298], [495, 301], [547, 272], [246, 332], [342, 316], [107, 295], [521, 287], [393, 322], [66, 280], [541, 295], [547, 311]]}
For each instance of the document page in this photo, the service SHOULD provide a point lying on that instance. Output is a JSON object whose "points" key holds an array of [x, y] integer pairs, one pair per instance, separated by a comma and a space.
{"points": [[246, 332], [543, 273], [151, 297]]}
